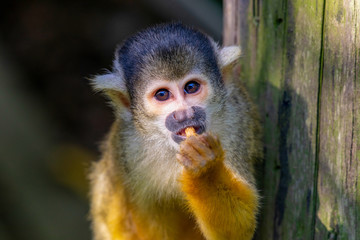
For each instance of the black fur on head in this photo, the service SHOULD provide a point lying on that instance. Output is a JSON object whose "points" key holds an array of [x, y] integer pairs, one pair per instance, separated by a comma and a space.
{"points": [[168, 51]]}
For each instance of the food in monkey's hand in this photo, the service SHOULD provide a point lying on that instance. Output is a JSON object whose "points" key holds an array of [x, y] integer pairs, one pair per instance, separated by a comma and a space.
{"points": [[190, 131]]}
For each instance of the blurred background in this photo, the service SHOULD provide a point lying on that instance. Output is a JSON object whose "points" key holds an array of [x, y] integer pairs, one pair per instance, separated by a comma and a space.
{"points": [[51, 122]]}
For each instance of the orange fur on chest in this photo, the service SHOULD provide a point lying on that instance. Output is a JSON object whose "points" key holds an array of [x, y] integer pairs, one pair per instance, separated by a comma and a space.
{"points": [[129, 221]]}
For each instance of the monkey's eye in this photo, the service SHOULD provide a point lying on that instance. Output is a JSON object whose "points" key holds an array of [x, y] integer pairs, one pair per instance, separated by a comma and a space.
{"points": [[191, 87], [162, 95]]}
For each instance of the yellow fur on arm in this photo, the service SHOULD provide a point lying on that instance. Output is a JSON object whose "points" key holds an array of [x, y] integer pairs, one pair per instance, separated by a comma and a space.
{"points": [[224, 206]]}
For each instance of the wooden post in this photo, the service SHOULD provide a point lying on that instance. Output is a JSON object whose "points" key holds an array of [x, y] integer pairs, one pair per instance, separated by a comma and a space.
{"points": [[339, 153], [301, 65]]}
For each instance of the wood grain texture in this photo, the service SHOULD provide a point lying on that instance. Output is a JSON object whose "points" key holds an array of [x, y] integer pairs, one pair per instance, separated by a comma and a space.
{"points": [[339, 154], [281, 68], [301, 65]]}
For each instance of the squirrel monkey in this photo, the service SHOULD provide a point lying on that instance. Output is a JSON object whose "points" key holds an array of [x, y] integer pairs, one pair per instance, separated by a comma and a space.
{"points": [[178, 161]]}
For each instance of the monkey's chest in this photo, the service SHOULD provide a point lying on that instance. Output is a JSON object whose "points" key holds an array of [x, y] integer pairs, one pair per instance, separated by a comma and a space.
{"points": [[165, 223]]}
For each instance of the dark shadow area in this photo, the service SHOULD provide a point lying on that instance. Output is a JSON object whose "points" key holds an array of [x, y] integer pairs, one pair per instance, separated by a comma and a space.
{"points": [[51, 121], [286, 173]]}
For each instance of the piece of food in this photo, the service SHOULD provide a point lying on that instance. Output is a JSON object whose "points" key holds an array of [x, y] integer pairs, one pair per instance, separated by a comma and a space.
{"points": [[190, 131]]}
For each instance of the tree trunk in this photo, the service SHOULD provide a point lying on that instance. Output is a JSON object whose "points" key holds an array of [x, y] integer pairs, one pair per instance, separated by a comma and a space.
{"points": [[301, 66]]}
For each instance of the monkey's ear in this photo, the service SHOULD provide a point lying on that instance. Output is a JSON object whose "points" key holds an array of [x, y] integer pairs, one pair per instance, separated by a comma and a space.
{"points": [[108, 81], [113, 85], [228, 55]]}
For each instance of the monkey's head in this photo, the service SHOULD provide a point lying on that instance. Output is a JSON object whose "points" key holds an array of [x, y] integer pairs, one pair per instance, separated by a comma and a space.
{"points": [[167, 78]]}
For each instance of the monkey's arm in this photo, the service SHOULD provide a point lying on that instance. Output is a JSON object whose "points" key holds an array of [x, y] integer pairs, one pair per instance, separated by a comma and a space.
{"points": [[225, 206]]}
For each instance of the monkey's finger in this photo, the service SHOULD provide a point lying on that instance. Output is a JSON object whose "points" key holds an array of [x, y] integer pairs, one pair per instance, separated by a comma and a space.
{"points": [[201, 147], [211, 140], [187, 149], [183, 160], [214, 145], [188, 163]]}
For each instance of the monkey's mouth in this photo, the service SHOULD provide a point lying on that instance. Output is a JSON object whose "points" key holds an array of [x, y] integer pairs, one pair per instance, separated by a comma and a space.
{"points": [[182, 131], [180, 135]]}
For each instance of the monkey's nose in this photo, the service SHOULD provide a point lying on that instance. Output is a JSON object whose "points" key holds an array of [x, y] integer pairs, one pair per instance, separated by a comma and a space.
{"points": [[182, 115]]}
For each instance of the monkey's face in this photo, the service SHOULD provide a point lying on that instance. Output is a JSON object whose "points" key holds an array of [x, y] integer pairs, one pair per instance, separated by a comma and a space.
{"points": [[179, 104]]}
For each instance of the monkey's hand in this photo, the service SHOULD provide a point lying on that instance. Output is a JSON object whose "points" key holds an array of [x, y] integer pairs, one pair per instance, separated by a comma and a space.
{"points": [[224, 205], [200, 153]]}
